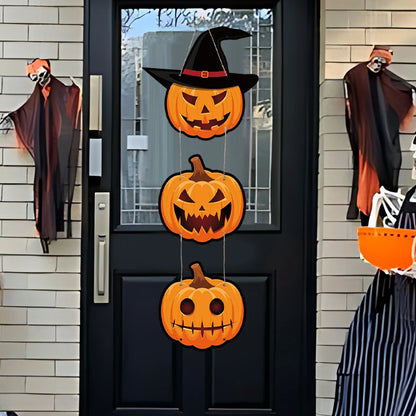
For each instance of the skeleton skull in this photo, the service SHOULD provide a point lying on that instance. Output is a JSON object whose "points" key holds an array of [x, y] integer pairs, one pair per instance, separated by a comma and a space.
{"points": [[377, 63], [42, 76]]}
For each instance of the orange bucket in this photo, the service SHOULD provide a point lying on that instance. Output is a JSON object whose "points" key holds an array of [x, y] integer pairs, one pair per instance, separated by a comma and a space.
{"points": [[387, 248]]}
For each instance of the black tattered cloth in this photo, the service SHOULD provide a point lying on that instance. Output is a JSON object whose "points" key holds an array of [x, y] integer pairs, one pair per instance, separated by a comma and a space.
{"points": [[47, 125]]}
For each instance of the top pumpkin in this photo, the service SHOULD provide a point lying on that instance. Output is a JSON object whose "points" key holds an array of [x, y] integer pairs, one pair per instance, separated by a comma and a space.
{"points": [[204, 113], [204, 99]]}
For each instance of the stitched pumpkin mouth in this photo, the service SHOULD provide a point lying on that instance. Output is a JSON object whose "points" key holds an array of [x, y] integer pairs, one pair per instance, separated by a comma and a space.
{"points": [[202, 328], [206, 126], [193, 222]]}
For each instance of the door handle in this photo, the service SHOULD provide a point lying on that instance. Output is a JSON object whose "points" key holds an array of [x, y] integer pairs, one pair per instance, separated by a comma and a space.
{"points": [[101, 265], [101, 247]]}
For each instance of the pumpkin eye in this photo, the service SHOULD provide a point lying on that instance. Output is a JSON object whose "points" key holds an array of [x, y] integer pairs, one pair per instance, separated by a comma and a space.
{"points": [[216, 306], [219, 196], [187, 306], [218, 98], [185, 197], [189, 98]]}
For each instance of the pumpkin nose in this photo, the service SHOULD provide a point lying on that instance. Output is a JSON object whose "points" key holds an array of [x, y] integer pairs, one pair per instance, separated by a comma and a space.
{"points": [[204, 110], [202, 208]]}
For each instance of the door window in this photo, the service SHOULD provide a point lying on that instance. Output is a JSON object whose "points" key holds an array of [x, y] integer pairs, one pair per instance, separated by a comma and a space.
{"points": [[152, 149]]}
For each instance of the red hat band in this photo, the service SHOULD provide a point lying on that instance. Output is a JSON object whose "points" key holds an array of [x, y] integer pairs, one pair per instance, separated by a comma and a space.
{"points": [[204, 74]]}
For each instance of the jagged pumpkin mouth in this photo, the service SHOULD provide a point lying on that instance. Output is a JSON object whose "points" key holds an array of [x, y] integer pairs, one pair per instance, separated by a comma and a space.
{"points": [[202, 328], [206, 222], [206, 126]]}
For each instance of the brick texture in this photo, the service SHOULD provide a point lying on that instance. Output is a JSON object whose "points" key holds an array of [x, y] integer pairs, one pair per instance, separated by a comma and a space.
{"points": [[352, 27], [42, 15], [40, 296]]}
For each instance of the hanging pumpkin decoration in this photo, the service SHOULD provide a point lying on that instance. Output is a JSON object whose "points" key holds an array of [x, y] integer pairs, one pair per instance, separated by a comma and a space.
{"points": [[202, 312], [201, 204], [204, 99], [202, 112]]}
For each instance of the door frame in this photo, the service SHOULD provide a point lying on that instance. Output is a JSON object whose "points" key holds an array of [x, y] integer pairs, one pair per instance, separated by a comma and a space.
{"points": [[299, 83]]}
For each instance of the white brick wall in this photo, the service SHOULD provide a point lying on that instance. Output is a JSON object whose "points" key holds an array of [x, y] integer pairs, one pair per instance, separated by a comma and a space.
{"points": [[40, 298], [352, 27]]}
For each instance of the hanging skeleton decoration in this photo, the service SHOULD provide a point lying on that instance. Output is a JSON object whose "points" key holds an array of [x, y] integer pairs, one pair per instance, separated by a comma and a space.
{"points": [[204, 99], [378, 105], [47, 125]]}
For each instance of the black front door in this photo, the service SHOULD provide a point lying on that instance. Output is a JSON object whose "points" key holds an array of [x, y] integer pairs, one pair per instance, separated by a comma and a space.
{"points": [[130, 366]]}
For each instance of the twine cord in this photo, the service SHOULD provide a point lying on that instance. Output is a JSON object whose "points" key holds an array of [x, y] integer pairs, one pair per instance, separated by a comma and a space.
{"points": [[181, 255], [225, 152], [223, 256], [215, 46], [189, 48], [180, 154], [223, 178]]}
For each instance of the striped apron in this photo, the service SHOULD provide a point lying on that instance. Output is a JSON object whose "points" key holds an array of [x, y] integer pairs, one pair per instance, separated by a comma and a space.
{"points": [[377, 372]]}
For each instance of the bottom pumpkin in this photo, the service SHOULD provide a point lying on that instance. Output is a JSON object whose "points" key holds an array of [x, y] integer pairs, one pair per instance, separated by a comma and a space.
{"points": [[202, 312]]}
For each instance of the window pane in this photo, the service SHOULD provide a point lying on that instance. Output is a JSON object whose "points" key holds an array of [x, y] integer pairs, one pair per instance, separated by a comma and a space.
{"points": [[152, 150]]}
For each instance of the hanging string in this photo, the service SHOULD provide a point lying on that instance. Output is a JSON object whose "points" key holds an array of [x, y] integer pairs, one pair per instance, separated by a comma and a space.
{"points": [[225, 148], [215, 46], [225, 151], [180, 178], [189, 48], [181, 255], [223, 256], [180, 154], [223, 178]]}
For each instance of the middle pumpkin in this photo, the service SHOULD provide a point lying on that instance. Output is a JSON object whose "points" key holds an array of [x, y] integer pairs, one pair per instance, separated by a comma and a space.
{"points": [[200, 204]]}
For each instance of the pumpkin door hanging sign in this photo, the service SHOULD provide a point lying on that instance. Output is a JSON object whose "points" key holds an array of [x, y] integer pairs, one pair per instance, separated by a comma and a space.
{"points": [[204, 99], [202, 312], [201, 205]]}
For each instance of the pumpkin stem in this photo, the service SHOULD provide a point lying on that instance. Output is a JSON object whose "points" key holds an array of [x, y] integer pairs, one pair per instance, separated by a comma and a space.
{"points": [[199, 278], [198, 169]]}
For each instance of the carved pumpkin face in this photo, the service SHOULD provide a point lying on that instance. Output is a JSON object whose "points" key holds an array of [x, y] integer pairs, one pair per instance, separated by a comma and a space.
{"points": [[202, 312], [201, 205], [203, 112]]}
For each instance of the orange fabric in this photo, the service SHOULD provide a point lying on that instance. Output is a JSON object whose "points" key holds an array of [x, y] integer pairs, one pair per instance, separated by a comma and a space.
{"points": [[36, 64], [46, 91], [368, 185], [387, 249], [383, 53], [20, 144]]}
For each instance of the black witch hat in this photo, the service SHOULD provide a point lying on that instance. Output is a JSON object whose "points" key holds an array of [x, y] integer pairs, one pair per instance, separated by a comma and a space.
{"points": [[206, 65]]}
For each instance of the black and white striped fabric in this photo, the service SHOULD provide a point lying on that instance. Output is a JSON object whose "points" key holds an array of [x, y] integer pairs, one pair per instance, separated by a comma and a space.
{"points": [[377, 372]]}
